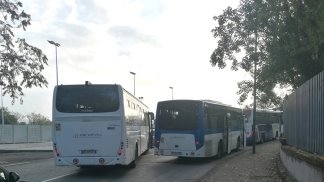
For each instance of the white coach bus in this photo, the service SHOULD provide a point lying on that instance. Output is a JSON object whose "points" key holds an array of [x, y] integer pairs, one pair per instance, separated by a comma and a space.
{"points": [[98, 124], [197, 128]]}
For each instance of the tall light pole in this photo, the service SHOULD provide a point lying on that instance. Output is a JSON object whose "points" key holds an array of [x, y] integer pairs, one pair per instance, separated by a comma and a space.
{"points": [[171, 92], [2, 113], [56, 46], [2, 116], [133, 73]]}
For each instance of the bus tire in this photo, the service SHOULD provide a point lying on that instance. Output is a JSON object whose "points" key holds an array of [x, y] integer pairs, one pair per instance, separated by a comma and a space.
{"points": [[220, 150], [238, 144], [133, 163], [262, 140]]}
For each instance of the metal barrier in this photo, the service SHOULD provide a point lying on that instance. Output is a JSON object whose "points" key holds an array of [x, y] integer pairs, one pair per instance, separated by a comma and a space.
{"points": [[303, 116], [25, 133]]}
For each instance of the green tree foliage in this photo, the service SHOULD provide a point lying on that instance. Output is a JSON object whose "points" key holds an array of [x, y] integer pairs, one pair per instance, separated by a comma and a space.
{"points": [[21, 63], [9, 117], [284, 37], [38, 119]]}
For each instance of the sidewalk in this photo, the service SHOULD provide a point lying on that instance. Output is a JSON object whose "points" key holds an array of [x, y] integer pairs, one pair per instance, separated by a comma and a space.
{"points": [[27, 147], [263, 166]]}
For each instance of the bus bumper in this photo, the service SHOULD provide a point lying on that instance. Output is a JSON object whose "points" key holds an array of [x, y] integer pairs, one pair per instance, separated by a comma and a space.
{"points": [[88, 161]]}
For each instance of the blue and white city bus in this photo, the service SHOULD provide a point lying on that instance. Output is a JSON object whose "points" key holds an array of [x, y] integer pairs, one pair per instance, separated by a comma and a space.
{"points": [[196, 128], [98, 124], [267, 125]]}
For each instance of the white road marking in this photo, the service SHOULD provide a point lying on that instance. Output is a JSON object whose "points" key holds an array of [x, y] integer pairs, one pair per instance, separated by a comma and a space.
{"points": [[58, 177], [15, 164]]}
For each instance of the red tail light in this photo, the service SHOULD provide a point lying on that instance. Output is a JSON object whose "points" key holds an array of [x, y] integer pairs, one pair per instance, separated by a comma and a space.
{"points": [[57, 153], [119, 151]]}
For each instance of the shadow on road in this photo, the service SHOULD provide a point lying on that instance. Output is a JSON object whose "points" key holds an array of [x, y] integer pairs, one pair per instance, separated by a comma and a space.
{"points": [[103, 171]]}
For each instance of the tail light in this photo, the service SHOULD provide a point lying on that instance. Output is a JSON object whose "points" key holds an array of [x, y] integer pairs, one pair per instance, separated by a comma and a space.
{"points": [[56, 151], [120, 150]]}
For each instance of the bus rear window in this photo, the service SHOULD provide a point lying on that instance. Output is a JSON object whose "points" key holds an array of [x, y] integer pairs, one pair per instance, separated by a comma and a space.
{"points": [[87, 98], [178, 115]]}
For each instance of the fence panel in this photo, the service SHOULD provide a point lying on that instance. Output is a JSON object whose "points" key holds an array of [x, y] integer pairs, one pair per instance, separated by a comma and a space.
{"points": [[34, 133], [6, 134], [303, 116], [20, 134], [25, 133], [46, 133]]}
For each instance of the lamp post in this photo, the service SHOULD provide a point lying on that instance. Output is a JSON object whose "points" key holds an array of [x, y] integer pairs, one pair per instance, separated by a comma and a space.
{"points": [[171, 92], [56, 46], [133, 73], [2, 113]]}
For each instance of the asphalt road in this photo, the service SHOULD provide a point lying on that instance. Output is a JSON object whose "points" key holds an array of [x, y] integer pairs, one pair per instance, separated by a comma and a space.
{"points": [[41, 168]]}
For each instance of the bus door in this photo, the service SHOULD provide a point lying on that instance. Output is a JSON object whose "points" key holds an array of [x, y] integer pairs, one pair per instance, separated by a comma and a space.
{"points": [[225, 135]]}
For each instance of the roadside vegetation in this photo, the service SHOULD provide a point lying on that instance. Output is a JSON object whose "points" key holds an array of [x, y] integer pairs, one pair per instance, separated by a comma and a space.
{"points": [[283, 40], [15, 118], [21, 63]]}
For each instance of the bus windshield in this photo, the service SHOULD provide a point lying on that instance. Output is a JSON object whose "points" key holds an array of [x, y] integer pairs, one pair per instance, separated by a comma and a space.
{"points": [[178, 115], [87, 98]]}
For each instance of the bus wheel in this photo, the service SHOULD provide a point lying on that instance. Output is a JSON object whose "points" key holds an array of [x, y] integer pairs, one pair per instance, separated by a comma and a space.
{"points": [[133, 163], [220, 150], [262, 139], [238, 144]]}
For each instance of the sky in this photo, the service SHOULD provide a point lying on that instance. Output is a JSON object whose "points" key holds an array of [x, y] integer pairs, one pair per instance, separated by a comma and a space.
{"points": [[167, 43]]}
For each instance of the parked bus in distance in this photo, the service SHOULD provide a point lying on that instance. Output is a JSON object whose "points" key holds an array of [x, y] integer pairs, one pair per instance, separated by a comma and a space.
{"points": [[264, 132], [276, 130], [196, 128], [98, 125], [267, 124]]}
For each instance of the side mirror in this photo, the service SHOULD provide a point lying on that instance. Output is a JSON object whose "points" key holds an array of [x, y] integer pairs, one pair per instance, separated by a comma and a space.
{"points": [[151, 114], [13, 177], [3, 174]]}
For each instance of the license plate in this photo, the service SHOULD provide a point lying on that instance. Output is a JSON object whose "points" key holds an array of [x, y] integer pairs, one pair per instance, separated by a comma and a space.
{"points": [[88, 151], [176, 153]]}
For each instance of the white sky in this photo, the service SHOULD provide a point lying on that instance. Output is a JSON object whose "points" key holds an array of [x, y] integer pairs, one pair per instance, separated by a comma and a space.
{"points": [[165, 42]]}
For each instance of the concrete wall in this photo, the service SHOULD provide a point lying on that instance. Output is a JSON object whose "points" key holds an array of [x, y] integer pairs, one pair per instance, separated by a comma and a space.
{"points": [[25, 133], [301, 170]]}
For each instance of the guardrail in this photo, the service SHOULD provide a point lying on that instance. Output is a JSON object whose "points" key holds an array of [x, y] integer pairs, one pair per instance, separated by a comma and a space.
{"points": [[303, 116], [25, 133]]}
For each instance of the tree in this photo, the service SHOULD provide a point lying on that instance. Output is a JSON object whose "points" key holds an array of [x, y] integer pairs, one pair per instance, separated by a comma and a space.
{"points": [[21, 63], [38, 119], [9, 117], [283, 37]]}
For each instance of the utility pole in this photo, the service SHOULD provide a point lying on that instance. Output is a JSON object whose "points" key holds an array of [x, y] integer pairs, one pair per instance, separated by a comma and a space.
{"points": [[133, 73], [171, 92], [56, 46], [254, 89]]}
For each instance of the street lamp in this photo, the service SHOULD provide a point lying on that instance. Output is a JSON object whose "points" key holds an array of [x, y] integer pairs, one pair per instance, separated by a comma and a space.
{"points": [[56, 46], [2, 113], [133, 73], [171, 92]]}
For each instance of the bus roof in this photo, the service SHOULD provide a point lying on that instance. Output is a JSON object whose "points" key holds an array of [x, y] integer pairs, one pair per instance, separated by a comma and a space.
{"points": [[205, 101], [89, 83]]}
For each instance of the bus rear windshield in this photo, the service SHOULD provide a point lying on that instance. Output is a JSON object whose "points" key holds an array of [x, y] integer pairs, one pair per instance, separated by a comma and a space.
{"points": [[87, 98], [178, 115]]}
